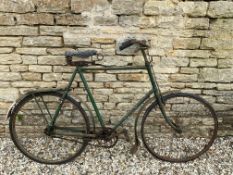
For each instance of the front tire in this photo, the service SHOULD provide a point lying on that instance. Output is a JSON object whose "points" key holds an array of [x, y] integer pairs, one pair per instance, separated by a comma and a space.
{"points": [[193, 115]]}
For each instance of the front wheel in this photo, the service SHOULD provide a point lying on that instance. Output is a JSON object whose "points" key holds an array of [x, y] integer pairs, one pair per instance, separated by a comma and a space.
{"points": [[29, 121], [193, 115]]}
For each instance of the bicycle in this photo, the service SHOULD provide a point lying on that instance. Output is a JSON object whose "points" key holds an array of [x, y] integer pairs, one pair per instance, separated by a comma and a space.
{"points": [[51, 127]]}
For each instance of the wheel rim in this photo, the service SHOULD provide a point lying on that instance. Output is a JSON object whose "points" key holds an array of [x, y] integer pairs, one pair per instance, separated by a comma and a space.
{"points": [[30, 121], [196, 119]]}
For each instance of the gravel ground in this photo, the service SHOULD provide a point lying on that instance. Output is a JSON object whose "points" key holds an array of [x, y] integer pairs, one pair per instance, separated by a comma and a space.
{"points": [[118, 160]]}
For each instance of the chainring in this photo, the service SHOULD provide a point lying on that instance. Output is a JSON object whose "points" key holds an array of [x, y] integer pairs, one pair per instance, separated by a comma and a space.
{"points": [[107, 138]]}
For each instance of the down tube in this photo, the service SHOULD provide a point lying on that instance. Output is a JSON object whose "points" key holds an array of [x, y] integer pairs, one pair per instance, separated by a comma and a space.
{"points": [[128, 114]]}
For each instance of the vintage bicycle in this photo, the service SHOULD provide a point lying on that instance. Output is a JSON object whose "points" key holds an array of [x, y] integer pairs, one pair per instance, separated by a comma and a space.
{"points": [[49, 126]]}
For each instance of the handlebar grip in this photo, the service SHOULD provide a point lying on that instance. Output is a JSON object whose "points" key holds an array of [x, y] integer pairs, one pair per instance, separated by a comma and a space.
{"points": [[127, 44]]}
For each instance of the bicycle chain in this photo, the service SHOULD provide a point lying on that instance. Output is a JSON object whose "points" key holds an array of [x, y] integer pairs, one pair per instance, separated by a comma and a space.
{"points": [[96, 145]]}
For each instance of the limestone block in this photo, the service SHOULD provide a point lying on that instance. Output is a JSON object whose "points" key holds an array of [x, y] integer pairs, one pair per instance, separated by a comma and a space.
{"points": [[183, 78], [76, 40], [210, 62], [79, 6], [42, 84], [220, 9], [52, 77], [106, 20], [18, 68], [52, 60], [169, 22], [127, 7], [6, 19], [4, 68], [64, 69], [6, 96], [38, 68], [101, 40], [224, 24], [197, 23], [116, 61], [72, 20], [6, 50], [133, 77], [222, 54], [189, 70], [208, 43], [43, 41], [31, 76], [186, 43], [58, 51], [32, 19], [191, 53], [10, 41], [10, 76], [53, 30], [225, 63], [27, 59], [19, 6], [10, 59], [103, 91], [195, 9], [22, 84], [53, 6], [123, 98], [31, 51], [102, 77], [216, 75], [18, 30], [153, 7]]}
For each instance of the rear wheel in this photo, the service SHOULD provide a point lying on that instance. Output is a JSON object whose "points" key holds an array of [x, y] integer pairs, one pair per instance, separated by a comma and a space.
{"points": [[29, 128], [193, 115]]}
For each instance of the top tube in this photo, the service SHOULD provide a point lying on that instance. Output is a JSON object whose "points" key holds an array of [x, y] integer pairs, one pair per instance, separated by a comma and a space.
{"points": [[84, 69]]}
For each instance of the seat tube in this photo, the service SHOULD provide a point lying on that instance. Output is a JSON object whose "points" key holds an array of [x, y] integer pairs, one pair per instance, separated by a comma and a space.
{"points": [[100, 118]]}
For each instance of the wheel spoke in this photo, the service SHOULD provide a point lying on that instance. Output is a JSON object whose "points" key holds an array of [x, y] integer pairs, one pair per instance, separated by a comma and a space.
{"points": [[46, 107], [41, 110]]}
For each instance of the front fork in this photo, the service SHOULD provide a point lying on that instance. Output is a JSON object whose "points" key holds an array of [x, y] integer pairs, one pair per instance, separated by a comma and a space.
{"points": [[167, 119], [159, 99]]}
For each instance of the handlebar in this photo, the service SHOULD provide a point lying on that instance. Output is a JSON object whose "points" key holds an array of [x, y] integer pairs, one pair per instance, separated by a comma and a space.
{"points": [[86, 54]]}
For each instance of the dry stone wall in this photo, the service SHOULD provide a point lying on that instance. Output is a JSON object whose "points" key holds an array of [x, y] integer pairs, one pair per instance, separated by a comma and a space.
{"points": [[191, 45]]}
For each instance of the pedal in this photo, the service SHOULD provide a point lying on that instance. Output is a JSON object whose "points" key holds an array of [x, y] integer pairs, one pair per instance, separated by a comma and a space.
{"points": [[135, 147]]}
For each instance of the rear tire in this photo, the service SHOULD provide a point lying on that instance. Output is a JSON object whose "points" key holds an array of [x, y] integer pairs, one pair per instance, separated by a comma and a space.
{"points": [[28, 123], [197, 120]]}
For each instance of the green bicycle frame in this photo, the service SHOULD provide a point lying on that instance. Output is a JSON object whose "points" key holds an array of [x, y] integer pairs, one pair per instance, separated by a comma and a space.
{"points": [[155, 90]]}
